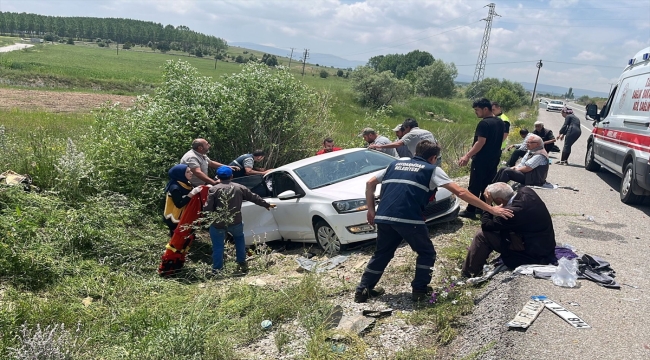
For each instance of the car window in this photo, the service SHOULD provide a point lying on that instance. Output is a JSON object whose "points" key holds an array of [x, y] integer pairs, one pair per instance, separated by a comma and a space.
{"points": [[605, 110], [281, 181], [343, 167], [556, 102]]}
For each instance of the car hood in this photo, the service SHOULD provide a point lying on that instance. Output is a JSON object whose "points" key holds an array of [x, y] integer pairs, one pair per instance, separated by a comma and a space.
{"points": [[355, 188]]}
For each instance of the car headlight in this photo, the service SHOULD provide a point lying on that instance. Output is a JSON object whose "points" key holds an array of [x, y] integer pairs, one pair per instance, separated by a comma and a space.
{"points": [[348, 206]]}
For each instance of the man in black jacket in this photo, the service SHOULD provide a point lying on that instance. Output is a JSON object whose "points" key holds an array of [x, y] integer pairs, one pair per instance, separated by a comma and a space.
{"points": [[547, 136], [526, 238]]}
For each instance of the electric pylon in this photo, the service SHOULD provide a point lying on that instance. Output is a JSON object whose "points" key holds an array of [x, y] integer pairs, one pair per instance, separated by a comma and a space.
{"points": [[482, 54]]}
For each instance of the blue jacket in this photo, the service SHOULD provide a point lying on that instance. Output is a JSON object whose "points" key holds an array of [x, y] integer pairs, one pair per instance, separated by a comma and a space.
{"points": [[405, 192]]}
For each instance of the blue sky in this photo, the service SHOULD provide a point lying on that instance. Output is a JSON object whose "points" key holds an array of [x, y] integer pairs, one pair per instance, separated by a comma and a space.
{"points": [[595, 37]]}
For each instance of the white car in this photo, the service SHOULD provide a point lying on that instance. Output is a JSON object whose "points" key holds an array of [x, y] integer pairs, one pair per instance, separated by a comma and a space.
{"points": [[321, 200], [555, 105]]}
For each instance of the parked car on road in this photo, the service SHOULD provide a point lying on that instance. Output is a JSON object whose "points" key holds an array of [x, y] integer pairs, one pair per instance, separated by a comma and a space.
{"points": [[620, 139], [555, 105], [321, 200]]}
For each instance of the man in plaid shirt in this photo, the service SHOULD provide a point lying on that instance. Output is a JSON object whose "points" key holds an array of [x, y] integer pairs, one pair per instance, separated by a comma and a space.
{"points": [[532, 169]]}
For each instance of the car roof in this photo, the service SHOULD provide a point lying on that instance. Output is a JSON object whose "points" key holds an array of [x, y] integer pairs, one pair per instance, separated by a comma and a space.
{"points": [[316, 158]]}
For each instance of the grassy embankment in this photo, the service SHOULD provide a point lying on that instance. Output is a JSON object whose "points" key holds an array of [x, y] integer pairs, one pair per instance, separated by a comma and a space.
{"points": [[94, 264]]}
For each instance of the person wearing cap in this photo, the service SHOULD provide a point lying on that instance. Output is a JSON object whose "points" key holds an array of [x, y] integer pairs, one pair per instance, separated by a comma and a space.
{"points": [[199, 162], [412, 136], [229, 219], [370, 136], [547, 136], [328, 146], [245, 164], [496, 110], [570, 132], [402, 151]]}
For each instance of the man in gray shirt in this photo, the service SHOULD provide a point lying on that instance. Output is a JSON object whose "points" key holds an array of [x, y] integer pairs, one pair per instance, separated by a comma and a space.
{"points": [[199, 162], [412, 136], [371, 137]]}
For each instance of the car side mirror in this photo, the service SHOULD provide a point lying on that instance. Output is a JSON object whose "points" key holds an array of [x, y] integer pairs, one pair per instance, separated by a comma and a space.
{"points": [[592, 110], [288, 195]]}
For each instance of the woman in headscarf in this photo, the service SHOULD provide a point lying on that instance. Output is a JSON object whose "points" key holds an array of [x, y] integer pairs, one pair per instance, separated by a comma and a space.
{"points": [[570, 132], [178, 193]]}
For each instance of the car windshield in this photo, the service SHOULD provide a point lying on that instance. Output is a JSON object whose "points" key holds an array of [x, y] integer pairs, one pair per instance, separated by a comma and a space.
{"points": [[344, 167], [556, 102]]}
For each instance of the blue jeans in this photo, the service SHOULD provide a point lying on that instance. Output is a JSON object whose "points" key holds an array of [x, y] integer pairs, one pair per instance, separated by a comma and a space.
{"points": [[218, 236]]}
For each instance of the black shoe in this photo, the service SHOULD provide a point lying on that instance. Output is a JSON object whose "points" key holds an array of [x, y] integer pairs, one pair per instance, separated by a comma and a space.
{"points": [[363, 296], [467, 214], [421, 295], [242, 269]]}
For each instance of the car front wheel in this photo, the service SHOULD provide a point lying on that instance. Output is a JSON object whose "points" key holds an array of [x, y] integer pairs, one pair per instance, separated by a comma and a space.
{"points": [[590, 163], [326, 237], [627, 182]]}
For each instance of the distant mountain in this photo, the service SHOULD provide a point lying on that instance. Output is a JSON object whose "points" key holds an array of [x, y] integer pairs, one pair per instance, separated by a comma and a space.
{"points": [[314, 58], [543, 88]]}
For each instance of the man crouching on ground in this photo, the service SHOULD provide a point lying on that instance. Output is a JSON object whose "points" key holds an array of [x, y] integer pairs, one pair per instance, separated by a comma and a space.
{"points": [[525, 238], [407, 187]]}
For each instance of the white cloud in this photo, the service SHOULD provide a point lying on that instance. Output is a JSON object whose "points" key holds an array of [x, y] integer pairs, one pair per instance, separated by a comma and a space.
{"points": [[588, 56]]}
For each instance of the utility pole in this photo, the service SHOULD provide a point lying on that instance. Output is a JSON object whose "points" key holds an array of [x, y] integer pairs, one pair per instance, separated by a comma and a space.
{"points": [[479, 72], [539, 67], [305, 55], [291, 57]]}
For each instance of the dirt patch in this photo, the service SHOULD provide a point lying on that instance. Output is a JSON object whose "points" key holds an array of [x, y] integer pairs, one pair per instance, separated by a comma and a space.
{"points": [[57, 101]]}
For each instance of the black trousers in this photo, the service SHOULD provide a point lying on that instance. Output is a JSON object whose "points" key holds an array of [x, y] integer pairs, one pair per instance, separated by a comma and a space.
{"points": [[569, 140], [516, 155], [481, 175], [506, 174], [389, 236]]}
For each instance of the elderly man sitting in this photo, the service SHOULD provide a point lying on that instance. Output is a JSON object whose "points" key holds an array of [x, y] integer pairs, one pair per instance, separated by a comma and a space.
{"points": [[526, 238], [532, 169]]}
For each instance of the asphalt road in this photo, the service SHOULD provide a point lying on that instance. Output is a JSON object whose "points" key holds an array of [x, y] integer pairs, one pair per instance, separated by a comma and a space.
{"points": [[619, 319]]}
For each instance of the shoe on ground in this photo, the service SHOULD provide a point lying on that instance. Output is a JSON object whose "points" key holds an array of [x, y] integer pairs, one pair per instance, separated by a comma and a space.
{"points": [[421, 295], [467, 214], [365, 294], [242, 269]]}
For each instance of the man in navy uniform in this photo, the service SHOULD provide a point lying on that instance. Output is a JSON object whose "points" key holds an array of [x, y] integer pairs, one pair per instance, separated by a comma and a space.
{"points": [[407, 187]]}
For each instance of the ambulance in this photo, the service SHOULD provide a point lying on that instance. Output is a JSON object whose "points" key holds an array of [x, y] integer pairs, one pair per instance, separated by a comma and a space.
{"points": [[620, 139]]}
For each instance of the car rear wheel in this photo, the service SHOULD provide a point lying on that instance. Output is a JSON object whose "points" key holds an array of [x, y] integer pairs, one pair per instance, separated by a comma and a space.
{"points": [[326, 237], [627, 182], [590, 163]]}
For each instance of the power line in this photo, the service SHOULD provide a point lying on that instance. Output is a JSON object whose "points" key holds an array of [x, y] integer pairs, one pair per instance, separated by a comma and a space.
{"points": [[568, 63], [564, 26]]}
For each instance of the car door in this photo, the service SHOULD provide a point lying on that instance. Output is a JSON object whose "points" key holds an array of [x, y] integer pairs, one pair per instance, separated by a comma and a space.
{"points": [[259, 224], [605, 135], [291, 215]]}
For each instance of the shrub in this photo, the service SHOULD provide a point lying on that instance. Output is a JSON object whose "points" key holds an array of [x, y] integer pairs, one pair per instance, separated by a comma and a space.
{"points": [[256, 108], [240, 59], [101, 44], [507, 99], [436, 79], [377, 89], [324, 74], [70, 41], [339, 73], [127, 45], [52, 343]]}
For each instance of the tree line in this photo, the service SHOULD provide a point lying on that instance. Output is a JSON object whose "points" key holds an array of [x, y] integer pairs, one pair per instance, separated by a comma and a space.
{"points": [[136, 32]]}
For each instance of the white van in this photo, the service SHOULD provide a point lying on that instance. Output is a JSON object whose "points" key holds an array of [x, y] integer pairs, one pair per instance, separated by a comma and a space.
{"points": [[620, 139]]}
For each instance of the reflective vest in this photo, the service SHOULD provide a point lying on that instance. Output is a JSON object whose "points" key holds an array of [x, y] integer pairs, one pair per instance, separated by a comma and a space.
{"points": [[239, 162], [405, 192]]}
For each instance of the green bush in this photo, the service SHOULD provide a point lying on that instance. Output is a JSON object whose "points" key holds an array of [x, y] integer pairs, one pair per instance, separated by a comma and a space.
{"points": [[376, 89], [339, 73], [507, 99], [256, 108], [436, 79], [324, 74]]}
